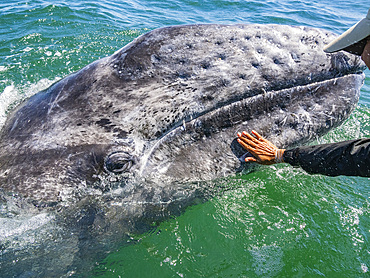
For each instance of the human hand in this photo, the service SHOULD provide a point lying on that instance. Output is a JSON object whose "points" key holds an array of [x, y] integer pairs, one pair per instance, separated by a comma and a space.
{"points": [[263, 151]]}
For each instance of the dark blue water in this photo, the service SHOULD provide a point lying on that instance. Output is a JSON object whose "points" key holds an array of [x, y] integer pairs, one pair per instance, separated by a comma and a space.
{"points": [[275, 222]]}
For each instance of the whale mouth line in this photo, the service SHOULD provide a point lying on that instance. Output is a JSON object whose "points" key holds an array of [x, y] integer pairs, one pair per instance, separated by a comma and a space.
{"points": [[251, 95], [235, 113], [266, 95]]}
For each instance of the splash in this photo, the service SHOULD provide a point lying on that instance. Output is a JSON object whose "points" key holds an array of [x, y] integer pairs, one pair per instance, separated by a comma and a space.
{"points": [[14, 95]]}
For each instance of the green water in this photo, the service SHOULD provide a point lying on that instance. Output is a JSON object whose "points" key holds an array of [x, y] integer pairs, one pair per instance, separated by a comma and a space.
{"points": [[269, 227], [274, 222]]}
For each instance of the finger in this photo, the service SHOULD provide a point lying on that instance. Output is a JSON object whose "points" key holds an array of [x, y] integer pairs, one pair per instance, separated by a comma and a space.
{"points": [[248, 142], [251, 138], [262, 139], [246, 145], [250, 159], [255, 133], [241, 135], [246, 134], [258, 136]]}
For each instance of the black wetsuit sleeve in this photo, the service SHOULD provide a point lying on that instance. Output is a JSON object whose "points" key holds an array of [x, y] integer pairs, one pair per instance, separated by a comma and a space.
{"points": [[348, 158]]}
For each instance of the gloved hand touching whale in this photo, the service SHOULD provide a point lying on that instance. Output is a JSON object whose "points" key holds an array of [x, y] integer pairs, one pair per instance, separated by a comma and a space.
{"points": [[263, 151]]}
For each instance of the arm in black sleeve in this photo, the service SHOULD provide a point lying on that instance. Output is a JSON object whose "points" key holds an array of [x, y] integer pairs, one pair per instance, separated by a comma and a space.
{"points": [[349, 158]]}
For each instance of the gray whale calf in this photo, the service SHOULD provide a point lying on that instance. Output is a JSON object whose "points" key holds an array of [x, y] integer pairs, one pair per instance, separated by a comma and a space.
{"points": [[129, 138]]}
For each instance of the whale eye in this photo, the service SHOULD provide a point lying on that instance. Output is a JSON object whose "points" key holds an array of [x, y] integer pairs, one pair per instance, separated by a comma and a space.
{"points": [[118, 162]]}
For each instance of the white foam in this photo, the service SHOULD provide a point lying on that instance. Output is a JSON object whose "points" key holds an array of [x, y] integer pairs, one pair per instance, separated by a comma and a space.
{"points": [[27, 49], [12, 95], [10, 227], [8, 97]]}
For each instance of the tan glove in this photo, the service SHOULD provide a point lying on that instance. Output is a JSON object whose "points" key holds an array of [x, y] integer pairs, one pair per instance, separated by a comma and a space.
{"points": [[264, 151]]}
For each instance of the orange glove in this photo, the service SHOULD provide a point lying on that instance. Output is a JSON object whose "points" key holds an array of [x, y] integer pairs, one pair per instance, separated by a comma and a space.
{"points": [[264, 151]]}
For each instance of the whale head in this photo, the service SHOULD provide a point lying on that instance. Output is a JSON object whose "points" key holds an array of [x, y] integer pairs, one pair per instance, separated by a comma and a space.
{"points": [[165, 109]]}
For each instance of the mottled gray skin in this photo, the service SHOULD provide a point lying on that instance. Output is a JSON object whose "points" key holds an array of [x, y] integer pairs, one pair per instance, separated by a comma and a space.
{"points": [[129, 136], [171, 103]]}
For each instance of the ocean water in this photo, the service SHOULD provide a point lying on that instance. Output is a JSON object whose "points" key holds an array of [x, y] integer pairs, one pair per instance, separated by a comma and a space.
{"points": [[274, 222]]}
